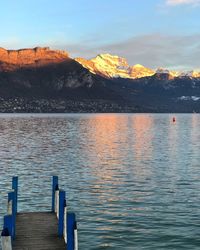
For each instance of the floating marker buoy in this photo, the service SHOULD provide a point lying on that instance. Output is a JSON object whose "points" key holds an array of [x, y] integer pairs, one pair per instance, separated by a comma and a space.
{"points": [[174, 119]]}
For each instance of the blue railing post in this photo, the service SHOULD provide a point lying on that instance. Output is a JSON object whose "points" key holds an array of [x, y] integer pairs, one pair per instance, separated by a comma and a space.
{"points": [[71, 225], [8, 224], [54, 187], [15, 187], [12, 197], [61, 212]]}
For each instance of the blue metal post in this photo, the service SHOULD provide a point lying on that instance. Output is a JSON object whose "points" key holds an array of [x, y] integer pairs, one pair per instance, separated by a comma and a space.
{"points": [[71, 224], [15, 187], [8, 224], [11, 197], [54, 187], [61, 212]]}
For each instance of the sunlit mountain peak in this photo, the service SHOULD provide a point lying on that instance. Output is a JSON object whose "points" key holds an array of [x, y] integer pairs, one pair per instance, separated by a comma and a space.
{"points": [[175, 73], [112, 66], [138, 66], [139, 71], [196, 74]]}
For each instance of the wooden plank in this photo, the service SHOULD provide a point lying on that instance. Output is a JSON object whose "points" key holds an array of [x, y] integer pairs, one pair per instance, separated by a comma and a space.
{"points": [[37, 231]]}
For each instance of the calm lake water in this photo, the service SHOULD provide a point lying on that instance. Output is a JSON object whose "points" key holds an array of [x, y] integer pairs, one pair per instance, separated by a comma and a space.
{"points": [[133, 180]]}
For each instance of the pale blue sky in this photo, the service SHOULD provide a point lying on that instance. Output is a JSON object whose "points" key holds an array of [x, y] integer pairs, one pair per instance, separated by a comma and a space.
{"points": [[152, 32]]}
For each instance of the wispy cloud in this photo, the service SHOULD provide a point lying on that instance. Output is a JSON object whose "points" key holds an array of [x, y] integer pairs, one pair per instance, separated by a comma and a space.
{"points": [[158, 50], [182, 2], [152, 50]]}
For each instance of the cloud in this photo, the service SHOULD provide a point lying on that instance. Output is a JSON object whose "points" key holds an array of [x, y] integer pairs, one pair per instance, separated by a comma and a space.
{"points": [[158, 50], [181, 2], [152, 50]]}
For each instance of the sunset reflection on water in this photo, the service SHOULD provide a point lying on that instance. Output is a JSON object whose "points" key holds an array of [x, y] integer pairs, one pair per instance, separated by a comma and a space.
{"points": [[128, 177], [142, 136]]}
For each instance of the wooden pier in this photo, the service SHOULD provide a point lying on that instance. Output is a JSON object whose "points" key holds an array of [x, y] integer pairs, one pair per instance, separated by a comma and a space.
{"points": [[51, 230], [37, 231]]}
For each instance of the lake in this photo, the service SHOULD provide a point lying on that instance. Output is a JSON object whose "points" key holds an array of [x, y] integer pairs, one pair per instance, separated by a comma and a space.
{"points": [[132, 179]]}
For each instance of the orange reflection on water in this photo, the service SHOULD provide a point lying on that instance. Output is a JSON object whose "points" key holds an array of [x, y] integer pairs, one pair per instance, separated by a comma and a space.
{"points": [[143, 135], [109, 133], [118, 144]]}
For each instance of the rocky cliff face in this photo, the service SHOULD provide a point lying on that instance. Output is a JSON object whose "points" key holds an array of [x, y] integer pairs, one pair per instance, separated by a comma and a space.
{"points": [[42, 71], [13, 59]]}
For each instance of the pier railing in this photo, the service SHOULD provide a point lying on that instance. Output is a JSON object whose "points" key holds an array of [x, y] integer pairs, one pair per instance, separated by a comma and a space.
{"points": [[9, 224], [67, 226]]}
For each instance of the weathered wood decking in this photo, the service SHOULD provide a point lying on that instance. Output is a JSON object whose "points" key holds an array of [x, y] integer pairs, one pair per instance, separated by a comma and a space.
{"points": [[53, 230], [37, 231]]}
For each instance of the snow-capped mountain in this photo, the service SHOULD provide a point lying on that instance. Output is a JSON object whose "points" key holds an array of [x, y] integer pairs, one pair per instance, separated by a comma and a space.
{"points": [[45, 80], [110, 66], [190, 74]]}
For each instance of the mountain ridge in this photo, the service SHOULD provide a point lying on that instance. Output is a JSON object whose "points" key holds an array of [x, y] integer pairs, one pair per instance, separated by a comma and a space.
{"points": [[105, 65], [112, 66], [38, 56], [45, 80]]}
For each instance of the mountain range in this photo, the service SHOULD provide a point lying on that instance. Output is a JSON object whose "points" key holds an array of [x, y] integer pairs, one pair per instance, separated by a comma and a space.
{"points": [[45, 80], [111, 66]]}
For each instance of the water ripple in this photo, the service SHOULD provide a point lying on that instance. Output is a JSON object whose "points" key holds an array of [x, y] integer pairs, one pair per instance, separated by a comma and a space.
{"points": [[133, 180]]}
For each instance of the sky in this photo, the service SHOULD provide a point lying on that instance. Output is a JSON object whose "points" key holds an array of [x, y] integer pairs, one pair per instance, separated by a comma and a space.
{"points": [[155, 33]]}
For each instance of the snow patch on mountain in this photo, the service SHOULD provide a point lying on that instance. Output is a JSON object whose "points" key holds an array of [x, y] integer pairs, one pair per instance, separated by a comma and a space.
{"points": [[189, 98]]}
